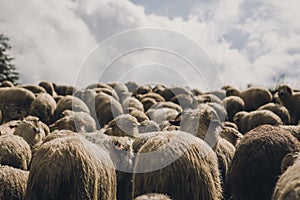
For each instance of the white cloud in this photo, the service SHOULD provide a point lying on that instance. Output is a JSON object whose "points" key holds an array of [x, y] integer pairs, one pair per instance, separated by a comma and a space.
{"points": [[250, 41]]}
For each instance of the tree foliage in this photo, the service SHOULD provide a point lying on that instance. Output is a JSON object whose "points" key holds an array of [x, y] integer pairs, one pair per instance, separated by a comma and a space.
{"points": [[7, 68]]}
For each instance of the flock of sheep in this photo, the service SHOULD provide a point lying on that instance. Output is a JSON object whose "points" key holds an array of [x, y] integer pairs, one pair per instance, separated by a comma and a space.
{"points": [[60, 142]]}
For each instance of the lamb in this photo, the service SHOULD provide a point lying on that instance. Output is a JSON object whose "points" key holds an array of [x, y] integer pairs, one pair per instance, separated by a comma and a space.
{"points": [[153, 196], [79, 170], [12, 183], [287, 187], [257, 161], [279, 110], [247, 121], [177, 155], [70, 103], [233, 105], [15, 103], [43, 107], [291, 100], [14, 151], [253, 97]]}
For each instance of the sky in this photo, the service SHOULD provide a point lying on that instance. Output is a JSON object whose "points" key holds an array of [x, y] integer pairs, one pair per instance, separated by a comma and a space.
{"points": [[196, 43]]}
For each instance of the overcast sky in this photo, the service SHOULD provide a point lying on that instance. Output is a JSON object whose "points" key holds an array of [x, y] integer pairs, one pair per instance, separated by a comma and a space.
{"points": [[201, 43]]}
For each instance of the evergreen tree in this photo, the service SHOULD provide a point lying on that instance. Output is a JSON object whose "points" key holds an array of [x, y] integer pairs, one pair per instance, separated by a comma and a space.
{"points": [[7, 68]]}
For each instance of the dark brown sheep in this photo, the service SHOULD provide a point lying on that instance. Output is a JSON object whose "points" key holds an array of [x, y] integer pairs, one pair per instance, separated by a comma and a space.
{"points": [[233, 105], [291, 100], [64, 90], [79, 170], [148, 103], [174, 157], [143, 89], [257, 161], [43, 107], [288, 185], [246, 121], [13, 183], [15, 103], [279, 110], [14, 151]]}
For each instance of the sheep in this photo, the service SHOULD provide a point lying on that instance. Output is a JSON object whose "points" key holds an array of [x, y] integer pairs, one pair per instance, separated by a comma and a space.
{"points": [[48, 87], [78, 170], [206, 98], [161, 114], [121, 153], [225, 152], [31, 130], [287, 187], [6, 84], [294, 130], [220, 110], [153, 196], [143, 89], [288, 160], [204, 123], [43, 107], [147, 126], [233, 105], [230, 125], [35, 89], [132, 86], [105, 109], [165, 161], [69, 103], [256, 164], [14, 151], [120, 89], [64, 90], [219, 93], [169, 93], [291, 100], [80, 122], [201, 122], [279, 110], [139, 115], [183, 100], [148, 103], [247, 121], [231, 134], [12, 183], [123, 125], [152, 95], [253, 97], [167, 105], [108, 91], [132, 102], [15, 103]]}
